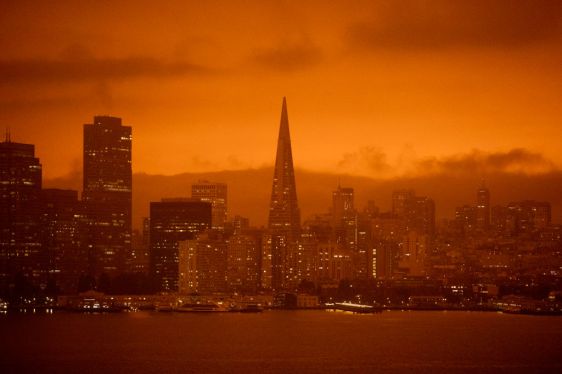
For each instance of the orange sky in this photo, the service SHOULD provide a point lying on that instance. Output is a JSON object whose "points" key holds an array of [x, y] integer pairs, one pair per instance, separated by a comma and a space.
{"points": [[373, 88]]}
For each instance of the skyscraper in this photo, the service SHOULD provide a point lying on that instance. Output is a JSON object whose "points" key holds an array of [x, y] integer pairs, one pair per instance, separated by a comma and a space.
{"points": [[417, 212], [345, 223], [284, 214], [422, 215], [21, 257], [483, 208], [62, 238], [243, 260], [216, 194], [107, 193], [203, 264], [342, 204], [401, 201], [172, 221]]}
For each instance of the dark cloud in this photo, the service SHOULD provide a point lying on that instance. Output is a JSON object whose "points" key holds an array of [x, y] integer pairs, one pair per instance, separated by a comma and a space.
{"points": [[370, 159], [18, 105], [517, 160], [288, 57], [250, 190], [92, 69], [448, 24], [99, 95]]}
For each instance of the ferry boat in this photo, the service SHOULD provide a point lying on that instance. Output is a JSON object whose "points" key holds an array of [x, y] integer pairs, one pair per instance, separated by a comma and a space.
{"points": [[352, 307], [201, 308]]}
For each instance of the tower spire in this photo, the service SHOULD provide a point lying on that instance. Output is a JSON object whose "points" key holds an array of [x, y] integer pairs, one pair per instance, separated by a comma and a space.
{"points": [[284, 211], [284, 214], [284, 126]]}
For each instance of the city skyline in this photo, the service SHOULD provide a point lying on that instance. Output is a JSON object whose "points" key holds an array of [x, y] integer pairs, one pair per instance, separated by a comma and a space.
{"points": [[476, 86], [53, 241], [507, 186], [280, 186]]}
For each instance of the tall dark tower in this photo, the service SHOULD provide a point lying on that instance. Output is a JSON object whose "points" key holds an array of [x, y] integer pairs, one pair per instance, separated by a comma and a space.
{"points": [[483, 208], [22, 260], [342, 204], [284, 214], [173, 221], [107, 193]]}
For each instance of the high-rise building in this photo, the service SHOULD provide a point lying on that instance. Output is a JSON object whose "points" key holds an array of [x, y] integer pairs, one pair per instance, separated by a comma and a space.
{"points": [[240, 223], [347, 232], [107, 194], [483, 208], [465, 219], [413, 253], [284, 214], [363, 247], [173, 221], [387, 231], [216, 194], [203, 264], [22, 261], [401, 201], [344, 218], [383, 259], [417, 212], [244, 259], [307, 256], [342, 204], [62, 238], [529, 215], [335, 262], [421, 217], [138, 260]]}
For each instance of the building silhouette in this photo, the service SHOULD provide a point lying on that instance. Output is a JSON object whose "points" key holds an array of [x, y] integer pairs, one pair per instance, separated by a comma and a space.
{"points": [[173, 221], [63, 239], [203, 264], [344, 217], [402, 201], [216, 194], [417, 212], [284, 214], [528, 215], [107, 193], [244, 260], [22, 261], [483, 208], [342, 204]]}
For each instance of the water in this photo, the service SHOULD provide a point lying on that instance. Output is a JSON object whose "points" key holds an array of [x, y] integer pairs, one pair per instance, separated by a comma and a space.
{"points": [[280, 341]]}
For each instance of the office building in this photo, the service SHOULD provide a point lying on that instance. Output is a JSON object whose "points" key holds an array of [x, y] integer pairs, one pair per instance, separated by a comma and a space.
{"points": [[22, 261], [216, 194], [107, 194], [173, 221], [63, 239], [483, 208], [284, 214], [203, 264]]}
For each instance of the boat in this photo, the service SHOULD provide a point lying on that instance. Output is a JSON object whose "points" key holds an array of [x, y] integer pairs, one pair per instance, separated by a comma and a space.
{"points": [[201, 308], [352, 307]]}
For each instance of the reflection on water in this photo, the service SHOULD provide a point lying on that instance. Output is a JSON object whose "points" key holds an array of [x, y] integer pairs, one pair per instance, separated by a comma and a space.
{"points": [[278, 341]]}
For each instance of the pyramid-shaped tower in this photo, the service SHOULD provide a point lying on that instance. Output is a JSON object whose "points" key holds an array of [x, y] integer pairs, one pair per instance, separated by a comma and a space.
{"points": [[284, 214]]}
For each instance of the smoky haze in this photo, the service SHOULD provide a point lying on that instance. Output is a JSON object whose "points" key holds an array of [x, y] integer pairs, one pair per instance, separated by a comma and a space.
{"points": [[249, 190]]}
